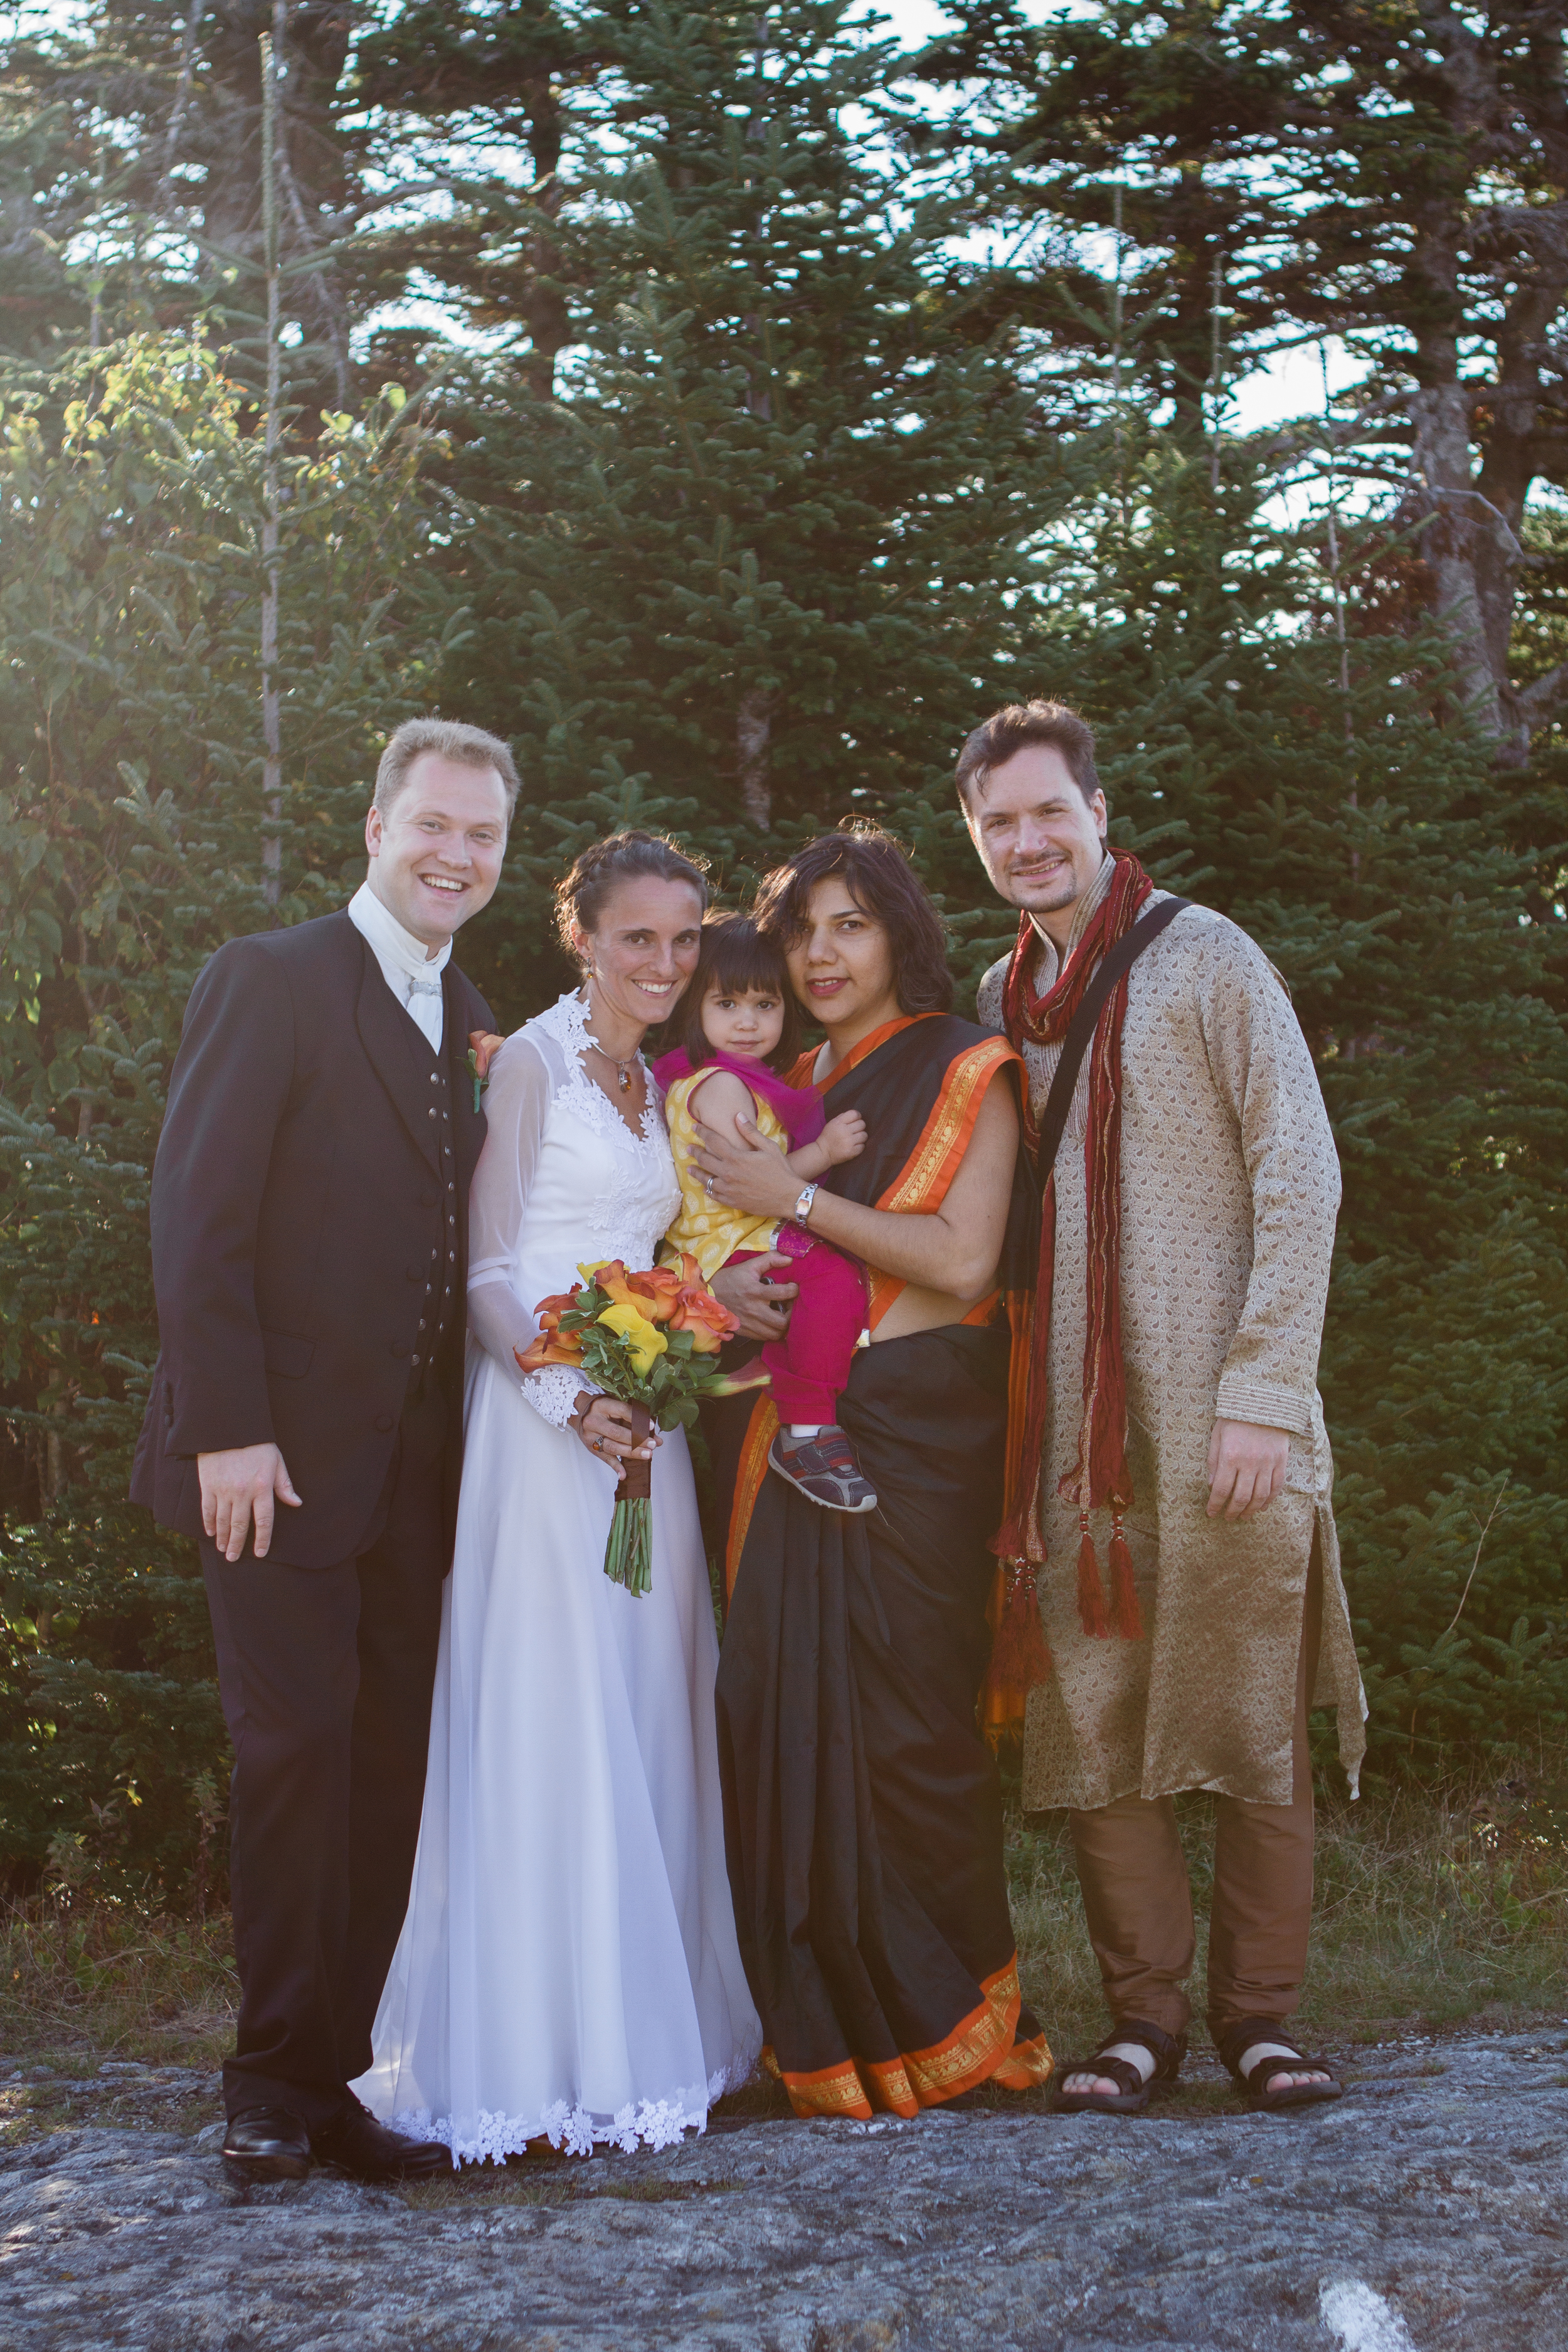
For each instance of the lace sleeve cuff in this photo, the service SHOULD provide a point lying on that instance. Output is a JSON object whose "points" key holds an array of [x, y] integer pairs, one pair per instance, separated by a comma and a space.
{"points": [[553, 1392]]}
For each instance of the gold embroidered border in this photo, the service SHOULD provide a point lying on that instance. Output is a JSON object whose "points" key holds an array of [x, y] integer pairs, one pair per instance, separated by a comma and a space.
{"points": [[927, 1175], [979, 2048], [934, 1162]]}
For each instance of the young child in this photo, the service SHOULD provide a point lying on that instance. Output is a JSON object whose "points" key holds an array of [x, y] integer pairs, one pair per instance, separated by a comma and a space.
{"points": [[738, 1029]]}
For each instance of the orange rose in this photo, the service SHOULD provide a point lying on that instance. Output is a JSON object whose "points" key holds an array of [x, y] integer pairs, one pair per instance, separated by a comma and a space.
{"points": [[700, 1313], [656, 1292], [483, 1047]]}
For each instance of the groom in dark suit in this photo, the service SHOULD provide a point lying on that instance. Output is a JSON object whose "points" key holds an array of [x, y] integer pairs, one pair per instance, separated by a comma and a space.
{"points": [[305, 1426]]}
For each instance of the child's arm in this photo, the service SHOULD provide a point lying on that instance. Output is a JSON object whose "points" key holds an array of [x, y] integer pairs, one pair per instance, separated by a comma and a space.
{"points": [[723, 1098], [843, 1137]]}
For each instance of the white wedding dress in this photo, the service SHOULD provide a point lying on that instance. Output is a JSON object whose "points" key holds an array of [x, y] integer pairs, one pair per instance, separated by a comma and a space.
{"points": [[568, 1966]]}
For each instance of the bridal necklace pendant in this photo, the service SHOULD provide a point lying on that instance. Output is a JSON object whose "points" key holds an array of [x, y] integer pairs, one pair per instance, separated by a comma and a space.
{"points": [[623, 1069]]}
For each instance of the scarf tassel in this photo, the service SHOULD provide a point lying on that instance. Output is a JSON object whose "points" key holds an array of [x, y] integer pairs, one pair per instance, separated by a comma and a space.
{"points": [[1125, 1618], [1129, 1617], [1091, 1591], [1020, 1655]]}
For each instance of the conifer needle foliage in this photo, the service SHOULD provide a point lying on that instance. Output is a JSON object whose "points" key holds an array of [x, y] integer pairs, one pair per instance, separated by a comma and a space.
{"points": [[796, 422]]}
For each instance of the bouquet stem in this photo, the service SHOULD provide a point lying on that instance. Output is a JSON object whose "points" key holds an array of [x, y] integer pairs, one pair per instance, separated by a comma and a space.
{"points": [[628, 1555]]}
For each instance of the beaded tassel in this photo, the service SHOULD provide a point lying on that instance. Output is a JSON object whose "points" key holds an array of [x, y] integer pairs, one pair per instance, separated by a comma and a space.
{"points": [[1127, 1615], [1091, 1591]]}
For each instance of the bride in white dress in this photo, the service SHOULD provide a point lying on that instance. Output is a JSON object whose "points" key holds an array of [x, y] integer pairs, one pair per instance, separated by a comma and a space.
{"points": [[568, 1968]]}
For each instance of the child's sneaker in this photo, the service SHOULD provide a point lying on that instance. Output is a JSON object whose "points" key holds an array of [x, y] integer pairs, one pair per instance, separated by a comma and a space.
{"points": [[824, 1469]]}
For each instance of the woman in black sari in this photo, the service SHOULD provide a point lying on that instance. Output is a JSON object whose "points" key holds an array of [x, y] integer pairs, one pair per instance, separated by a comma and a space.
{"points": [[863, 1814]]}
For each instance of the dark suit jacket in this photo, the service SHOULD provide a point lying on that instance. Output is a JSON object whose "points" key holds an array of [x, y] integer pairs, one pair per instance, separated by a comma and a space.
{"points": [[302, 1198]]}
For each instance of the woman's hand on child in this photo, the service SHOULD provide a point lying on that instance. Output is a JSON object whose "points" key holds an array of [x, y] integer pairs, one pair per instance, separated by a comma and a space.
{"points": [[760, 1305], [746, 1169], [845, 1138]]}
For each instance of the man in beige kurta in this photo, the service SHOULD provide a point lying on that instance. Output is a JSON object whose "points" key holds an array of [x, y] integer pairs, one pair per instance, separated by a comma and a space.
{"points": [[1229, 1188]]}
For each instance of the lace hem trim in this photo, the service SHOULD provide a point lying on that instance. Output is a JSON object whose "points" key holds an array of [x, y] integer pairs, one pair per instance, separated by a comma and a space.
{"points": [[575, 2130]]}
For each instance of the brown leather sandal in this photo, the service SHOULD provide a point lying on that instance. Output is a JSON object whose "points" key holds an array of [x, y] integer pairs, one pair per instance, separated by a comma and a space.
{"points": [[1236, 2039], [1166, 2050]]}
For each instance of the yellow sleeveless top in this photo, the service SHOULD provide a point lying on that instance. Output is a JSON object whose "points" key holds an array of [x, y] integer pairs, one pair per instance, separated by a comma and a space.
{"points": [[709, 1230]]}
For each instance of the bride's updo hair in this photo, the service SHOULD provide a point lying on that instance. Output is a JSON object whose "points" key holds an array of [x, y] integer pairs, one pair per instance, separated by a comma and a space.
{"points": [[582, 894]]}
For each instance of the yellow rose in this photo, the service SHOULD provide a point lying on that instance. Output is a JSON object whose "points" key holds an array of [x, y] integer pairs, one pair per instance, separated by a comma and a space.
{"points": [[645, 1342]]}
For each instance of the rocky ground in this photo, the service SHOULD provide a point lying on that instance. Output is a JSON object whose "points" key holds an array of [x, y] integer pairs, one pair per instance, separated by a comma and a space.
{"points": [[1428, 2209]]}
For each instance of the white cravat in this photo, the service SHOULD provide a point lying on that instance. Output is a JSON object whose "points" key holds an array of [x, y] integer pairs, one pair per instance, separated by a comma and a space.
{"points": [[414, 978]]}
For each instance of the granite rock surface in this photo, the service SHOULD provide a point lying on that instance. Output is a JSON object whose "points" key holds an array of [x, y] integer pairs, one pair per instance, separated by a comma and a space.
{"points": [[1427, 2208]]}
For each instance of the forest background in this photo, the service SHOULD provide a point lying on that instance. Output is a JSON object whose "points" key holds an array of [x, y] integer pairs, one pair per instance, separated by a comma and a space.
{"points": [[729, 406]]}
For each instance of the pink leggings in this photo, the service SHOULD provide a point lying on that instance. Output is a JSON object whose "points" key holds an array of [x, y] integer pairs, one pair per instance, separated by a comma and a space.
{"points": [[811, 1364]]}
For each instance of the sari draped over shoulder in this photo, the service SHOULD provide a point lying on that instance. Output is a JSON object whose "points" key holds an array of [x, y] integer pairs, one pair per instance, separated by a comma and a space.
{"points": [[863, 1813]]}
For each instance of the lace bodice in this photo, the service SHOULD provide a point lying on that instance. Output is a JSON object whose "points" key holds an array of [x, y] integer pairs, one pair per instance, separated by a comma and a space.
{"points": [[562, 1181]]}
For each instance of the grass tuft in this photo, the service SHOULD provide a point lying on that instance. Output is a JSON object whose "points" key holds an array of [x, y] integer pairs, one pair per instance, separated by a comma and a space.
{"points": [[1431, 1911], [101, 1979]]}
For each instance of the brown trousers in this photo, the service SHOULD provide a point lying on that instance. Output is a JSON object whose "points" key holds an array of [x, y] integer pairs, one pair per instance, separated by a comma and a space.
{"points": [[1139, 1905]]}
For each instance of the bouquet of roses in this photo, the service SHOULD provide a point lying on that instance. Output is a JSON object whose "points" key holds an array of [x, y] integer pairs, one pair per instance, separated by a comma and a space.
{"points": [[652, 1339]]}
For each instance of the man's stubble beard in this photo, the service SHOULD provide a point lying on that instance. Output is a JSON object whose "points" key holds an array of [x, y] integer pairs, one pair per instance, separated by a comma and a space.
{"points": [[1066, 893]]}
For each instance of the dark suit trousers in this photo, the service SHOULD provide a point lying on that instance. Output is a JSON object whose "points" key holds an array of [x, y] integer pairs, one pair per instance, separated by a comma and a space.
{"points": [[326, 1676]]}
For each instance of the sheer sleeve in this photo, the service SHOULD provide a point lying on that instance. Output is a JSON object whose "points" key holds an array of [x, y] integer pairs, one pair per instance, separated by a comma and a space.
{"points": [[516, 1101]]}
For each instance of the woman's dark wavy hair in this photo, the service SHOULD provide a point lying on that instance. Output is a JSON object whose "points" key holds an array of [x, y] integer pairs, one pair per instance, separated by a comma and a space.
{"points": [[877, 873], [737, 958]]}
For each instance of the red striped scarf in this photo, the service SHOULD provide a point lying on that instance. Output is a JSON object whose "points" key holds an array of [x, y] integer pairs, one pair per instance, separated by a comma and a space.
{"points": [[1100, 1474]]}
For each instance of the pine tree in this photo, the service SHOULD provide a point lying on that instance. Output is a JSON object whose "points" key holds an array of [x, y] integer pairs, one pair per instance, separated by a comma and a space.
{"points": [[133, 834], [1317, 789], [771, 536], [1391, 174]]}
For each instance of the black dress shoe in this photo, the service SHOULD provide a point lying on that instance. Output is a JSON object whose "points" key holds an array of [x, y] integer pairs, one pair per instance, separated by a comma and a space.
{"points": [[267, 2144], [356, 2144]]}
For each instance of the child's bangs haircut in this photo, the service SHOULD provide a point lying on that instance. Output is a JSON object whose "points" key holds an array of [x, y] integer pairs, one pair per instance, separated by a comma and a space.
{"points": [[736, 959]]}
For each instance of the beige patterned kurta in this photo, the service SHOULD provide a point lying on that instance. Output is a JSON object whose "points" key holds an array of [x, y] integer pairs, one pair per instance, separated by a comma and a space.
{"points": [[1230, 1186]]}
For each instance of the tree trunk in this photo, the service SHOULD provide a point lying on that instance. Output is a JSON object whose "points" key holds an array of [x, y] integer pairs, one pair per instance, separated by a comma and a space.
{"points": [[753, 732], [1464, 538]]}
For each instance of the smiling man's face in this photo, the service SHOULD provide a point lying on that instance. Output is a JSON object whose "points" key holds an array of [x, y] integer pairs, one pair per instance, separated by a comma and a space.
{"points": [[1039, 840], [436, 856]]}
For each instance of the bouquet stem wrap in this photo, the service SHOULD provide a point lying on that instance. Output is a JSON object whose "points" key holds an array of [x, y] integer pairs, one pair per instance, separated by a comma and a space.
{"points": [[628, 1555]]}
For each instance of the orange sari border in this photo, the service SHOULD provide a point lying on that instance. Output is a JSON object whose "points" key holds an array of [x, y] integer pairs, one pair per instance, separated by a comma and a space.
{"points": [[803, 1072], [981, 2047], [761, 1431], [923, 1186], [920, 1188]]}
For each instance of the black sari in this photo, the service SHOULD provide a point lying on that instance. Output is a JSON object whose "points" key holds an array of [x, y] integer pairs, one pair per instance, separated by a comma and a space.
{"points": [[863, 1814]]}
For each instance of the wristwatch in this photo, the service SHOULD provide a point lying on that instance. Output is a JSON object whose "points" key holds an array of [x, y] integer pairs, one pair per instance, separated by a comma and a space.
{"points": [[803, 1206]]}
